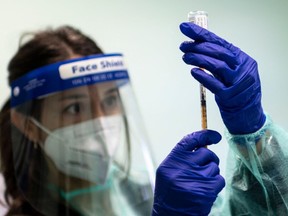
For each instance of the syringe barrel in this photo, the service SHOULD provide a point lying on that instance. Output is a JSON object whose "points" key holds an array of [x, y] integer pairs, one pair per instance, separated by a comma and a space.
{"points": [[201, 18]]}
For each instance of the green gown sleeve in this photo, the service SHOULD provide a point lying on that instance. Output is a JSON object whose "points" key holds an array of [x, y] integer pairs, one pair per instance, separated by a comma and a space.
{"points": [[257, 174]]}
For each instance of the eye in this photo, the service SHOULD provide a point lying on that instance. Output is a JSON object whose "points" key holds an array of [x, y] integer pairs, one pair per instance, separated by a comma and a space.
{"points": [[111, 103], [74, 108]]}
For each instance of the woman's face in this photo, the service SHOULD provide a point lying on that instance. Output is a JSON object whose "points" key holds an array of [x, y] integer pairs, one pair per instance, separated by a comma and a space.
{"points": [[75, 106], [80, 104]]}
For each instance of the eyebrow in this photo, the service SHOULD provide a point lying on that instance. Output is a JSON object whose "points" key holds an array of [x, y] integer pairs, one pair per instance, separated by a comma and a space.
{"points": [[79, 95], [73, 96], [111, 90]]}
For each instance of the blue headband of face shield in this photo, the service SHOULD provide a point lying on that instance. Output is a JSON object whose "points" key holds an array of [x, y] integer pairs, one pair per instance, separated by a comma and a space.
{"points": [[68, 74]]}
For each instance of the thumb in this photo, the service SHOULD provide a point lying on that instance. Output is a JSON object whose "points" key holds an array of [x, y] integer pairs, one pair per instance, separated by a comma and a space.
{"points": [[198, 139]]}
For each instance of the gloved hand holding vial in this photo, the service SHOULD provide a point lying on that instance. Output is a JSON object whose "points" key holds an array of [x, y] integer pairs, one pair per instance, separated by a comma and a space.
{"points": [[257, 181]]}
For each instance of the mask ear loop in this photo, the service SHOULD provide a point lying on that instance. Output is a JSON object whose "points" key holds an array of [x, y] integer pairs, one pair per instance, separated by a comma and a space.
{"points": [[35, 123], [39, 125]]}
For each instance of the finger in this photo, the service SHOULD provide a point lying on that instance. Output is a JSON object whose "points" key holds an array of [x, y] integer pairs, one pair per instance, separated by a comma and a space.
{"points": [[212, 169], [200, 34], [219, 183], [208, 81], [217, 67], [208, 170], [204, 156], [212, 50], [210, 186], [198, 139]]}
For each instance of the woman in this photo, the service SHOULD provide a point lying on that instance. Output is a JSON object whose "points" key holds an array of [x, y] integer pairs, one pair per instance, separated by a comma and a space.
{"points": [[75, 147]]}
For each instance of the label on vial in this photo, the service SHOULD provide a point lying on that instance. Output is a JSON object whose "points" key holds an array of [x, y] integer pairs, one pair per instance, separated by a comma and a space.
{"points": [[200, 20]]}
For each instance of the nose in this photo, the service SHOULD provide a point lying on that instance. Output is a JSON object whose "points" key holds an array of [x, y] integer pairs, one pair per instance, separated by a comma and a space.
{"points": [[97, 109]]}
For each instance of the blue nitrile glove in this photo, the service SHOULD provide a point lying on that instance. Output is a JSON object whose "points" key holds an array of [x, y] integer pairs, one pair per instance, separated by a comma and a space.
{"points": [[235, 81], [188, 180]]}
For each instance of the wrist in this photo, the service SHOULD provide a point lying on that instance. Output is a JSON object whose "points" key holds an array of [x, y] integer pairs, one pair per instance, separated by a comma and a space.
{"points": [[246, 121]]}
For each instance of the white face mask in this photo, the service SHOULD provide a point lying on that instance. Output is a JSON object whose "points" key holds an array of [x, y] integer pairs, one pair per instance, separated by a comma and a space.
{"points": [[85, 150]]}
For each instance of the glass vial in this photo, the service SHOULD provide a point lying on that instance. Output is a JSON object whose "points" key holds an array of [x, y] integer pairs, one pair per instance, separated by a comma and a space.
{"points": [[199, 18]]}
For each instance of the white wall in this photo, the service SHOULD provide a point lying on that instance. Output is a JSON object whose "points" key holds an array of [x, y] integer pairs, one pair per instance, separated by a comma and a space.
{"points": [[147, 33]]}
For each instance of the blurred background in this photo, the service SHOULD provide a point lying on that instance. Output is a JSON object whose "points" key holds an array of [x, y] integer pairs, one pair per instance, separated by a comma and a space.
{"points": [[147, 33]]}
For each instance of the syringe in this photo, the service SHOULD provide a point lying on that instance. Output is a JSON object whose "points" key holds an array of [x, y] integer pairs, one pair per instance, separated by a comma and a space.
{"points": [[201, 18]]}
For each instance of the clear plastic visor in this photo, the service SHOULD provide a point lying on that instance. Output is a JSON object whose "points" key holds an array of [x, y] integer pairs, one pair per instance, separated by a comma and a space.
{"points": [[83, 151]]}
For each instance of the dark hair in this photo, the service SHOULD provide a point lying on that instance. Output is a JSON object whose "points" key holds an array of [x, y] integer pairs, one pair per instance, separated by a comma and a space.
{"points": [[45, 47]]}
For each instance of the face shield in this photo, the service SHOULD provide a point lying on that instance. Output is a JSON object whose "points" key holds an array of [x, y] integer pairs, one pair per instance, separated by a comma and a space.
{"points": [[79, 145]]}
